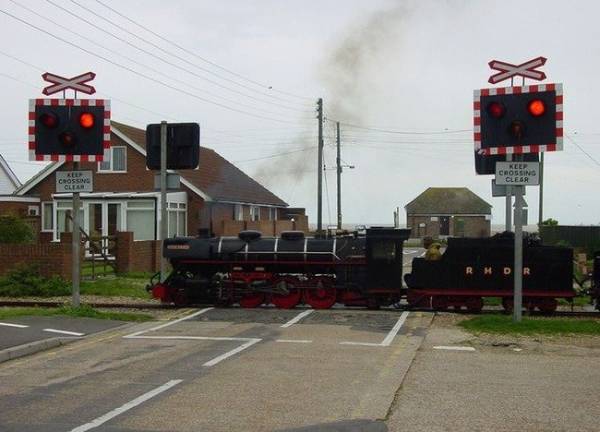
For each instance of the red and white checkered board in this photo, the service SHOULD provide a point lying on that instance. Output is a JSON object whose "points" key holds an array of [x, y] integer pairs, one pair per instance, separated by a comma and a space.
{"points": [[69, 158], [541, 147]]}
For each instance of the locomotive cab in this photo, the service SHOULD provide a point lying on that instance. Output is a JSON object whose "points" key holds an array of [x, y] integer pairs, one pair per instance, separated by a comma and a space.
{"points": [[385, 257]]}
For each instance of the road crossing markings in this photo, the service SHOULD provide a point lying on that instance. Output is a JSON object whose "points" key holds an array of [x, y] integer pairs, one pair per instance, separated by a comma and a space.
{"points": [[297, 318], [453, 348], [301, 341], [13, 325], [126, 407], [248, 342], [388, 338], [70, 333]]}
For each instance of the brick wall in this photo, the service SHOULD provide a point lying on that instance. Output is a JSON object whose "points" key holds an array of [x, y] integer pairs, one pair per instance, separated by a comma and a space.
{"points": [[136, 256], [51, 258], [474, 226]]}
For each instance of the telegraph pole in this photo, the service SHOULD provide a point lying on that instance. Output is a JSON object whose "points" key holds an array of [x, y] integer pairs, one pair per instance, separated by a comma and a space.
{"points": [[320, 168], [339, 178]]}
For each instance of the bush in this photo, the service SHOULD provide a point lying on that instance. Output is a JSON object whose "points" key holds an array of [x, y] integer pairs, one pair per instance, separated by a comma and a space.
{"points": [[25, 281], [13, 229]]}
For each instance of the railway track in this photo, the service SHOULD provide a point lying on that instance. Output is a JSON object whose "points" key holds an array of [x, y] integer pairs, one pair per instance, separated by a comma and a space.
{"points": [[42, 303]]}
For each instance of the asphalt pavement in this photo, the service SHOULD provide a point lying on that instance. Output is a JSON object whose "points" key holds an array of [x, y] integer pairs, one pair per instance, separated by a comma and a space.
{"points": [[220, 370]]}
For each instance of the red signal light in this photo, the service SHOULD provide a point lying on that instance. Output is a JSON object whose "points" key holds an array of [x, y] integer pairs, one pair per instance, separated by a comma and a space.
{"points": [[50, 120], [86, 120], [496, 109], [67, 139], [536, 108]]}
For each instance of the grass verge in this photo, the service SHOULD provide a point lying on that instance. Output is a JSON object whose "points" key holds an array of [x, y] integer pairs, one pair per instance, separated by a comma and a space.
{"points": [[531, 326], [84, 311], [117, 287]]}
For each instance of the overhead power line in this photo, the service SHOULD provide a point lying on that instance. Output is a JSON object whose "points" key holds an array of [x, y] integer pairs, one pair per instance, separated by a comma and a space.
{"points": [[152, 54], [582, 149], [170, 42], [400, 132], [276, 155], [141, 74]]}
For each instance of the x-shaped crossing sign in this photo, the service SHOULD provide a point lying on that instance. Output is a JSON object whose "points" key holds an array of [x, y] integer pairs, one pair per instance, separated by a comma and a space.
{"points": [[75, 83], [526, 70]]}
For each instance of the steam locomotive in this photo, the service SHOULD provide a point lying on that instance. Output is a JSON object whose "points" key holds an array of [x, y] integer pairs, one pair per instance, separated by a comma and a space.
{"points": [[354, 270]]}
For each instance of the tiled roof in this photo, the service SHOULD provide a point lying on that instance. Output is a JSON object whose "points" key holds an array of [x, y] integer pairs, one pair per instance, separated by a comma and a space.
{"points": [[450, 201], [216, 176]]}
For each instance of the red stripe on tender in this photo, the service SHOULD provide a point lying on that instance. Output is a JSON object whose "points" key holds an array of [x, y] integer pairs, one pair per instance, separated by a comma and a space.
{"points": [[485, 92], [550, 87], [517, 90], [476, 105], [559, 115], [477, 136], [39, 157], [476, 121], [558, 100], [559, 132], [501, 91]]}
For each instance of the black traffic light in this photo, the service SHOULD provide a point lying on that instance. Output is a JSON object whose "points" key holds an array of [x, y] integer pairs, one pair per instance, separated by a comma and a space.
{"points": [[183, 146], [518, 120], [63, 128], [487, 164]]}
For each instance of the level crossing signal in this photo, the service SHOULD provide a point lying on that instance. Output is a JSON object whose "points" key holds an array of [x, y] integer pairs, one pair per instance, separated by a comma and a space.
{"points": [[69, 130], [518, 120], [183, 146]]}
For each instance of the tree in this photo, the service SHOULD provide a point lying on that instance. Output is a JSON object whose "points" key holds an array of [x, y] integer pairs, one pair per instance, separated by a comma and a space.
{"points": [[550, 222], [13, 229]]}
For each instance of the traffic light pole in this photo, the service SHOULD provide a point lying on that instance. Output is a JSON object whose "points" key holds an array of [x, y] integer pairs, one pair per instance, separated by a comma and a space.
{"points": [[76, 245], [541, 203], [508, 217], [163, 197], [518, 265]]}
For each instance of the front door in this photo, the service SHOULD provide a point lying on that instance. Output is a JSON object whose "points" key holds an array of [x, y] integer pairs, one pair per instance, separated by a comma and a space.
{"points": [[103, 222], [445, 225]]}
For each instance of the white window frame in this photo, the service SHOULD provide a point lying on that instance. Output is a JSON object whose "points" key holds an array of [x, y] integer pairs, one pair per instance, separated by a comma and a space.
{"points": [[111, 161], [238, 212], [52, 213], [254, 213], [33, 210], [126, 209], [173, 210], [272, 213]]}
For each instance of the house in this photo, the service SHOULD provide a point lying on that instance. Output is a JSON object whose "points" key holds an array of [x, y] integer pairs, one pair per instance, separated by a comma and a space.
{"points": [[440, 212], [216, 198], [9, 203]]}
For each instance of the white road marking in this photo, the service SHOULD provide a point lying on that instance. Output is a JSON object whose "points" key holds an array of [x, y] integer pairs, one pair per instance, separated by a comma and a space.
{"points": [[303, 341], [13, 325], [394, 331], [387, 341], [126, 407], [170, 323], [297, 318], [71, 333], [454, 348], [231, 353]]}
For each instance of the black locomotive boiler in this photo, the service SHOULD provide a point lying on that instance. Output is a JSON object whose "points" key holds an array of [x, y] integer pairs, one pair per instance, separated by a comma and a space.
{"points": [[285, 271], [363, 271]]}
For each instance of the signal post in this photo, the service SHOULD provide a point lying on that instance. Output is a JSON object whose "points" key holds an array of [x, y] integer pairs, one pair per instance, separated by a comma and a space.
{"points": [[510, 125]]}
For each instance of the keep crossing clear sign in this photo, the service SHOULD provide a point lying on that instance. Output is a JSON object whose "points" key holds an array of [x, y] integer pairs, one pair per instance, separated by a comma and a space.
{"points": [[517, 173], [74, 181]]}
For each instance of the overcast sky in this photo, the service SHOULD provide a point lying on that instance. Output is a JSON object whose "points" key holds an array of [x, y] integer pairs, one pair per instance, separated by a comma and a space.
{"points": [[252, 72]]}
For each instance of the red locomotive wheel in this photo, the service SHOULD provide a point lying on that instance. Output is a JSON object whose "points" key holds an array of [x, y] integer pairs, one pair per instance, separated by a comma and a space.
{"points": [[548, 305], [322, 296], [289, 300], [252, 300]]}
